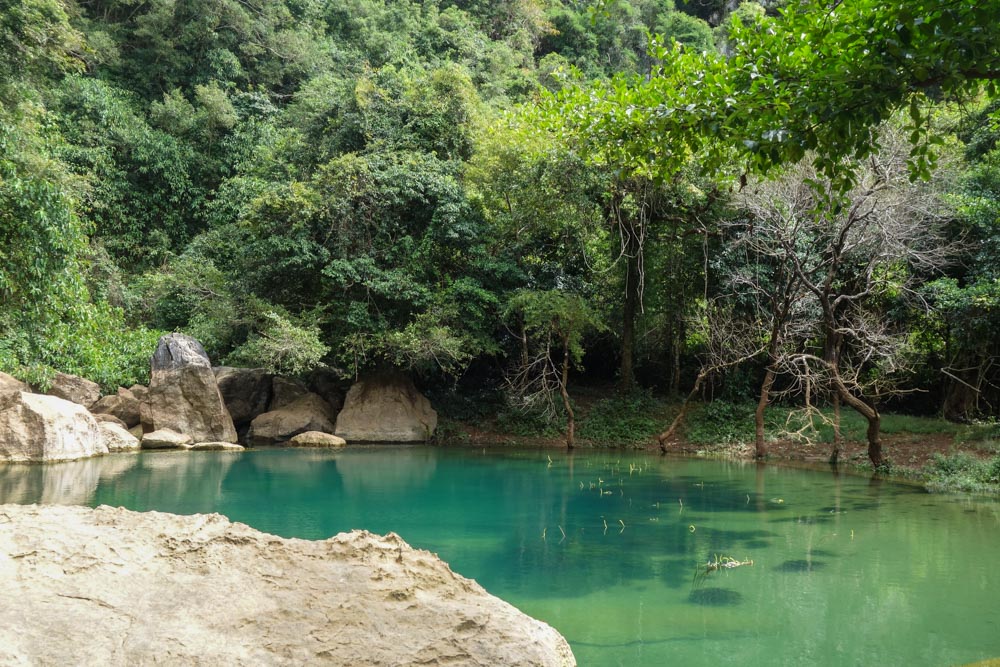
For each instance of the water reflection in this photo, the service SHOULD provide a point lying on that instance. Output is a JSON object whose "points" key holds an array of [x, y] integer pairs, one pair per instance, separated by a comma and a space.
{"points": [[183, 482], [66, 483], [388, 467]]}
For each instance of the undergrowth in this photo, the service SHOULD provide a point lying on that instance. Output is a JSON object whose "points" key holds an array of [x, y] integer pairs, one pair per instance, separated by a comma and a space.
{"points": [[963, 472], [629, 420]]}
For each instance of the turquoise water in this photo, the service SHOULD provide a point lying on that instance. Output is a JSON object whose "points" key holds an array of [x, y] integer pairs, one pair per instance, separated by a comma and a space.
{"points": [[607, 547]]}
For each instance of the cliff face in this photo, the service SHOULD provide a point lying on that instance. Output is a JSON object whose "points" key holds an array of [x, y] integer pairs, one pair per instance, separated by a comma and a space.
{"points": [[113, 587]]}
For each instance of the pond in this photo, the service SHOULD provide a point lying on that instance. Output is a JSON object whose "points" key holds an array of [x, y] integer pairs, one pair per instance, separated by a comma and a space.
{"points": [[611, 548]]}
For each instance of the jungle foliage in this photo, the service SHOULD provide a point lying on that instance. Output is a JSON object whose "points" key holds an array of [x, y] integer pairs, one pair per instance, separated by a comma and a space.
{"points": [[464, 189]]}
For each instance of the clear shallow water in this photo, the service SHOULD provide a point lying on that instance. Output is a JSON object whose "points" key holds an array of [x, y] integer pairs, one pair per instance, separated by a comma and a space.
{"points": [[845, 571]]}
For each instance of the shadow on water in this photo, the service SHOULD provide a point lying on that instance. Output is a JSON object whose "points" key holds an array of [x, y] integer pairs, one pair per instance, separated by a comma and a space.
{"points": [[800, 566], [715, 597]]}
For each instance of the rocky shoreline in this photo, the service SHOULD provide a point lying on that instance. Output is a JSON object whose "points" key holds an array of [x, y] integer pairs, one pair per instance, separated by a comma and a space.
{"points": [[190, 404], [109, 586]]}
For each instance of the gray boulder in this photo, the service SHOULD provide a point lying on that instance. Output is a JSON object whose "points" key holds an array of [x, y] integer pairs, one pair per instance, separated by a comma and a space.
{"points": [[75, 389], [285, 391], [307, 413], [183, 394], [118, 439], [35, 427], [139, 391], [327, 383], [246, 392], [124, 405], [165, 438], [386, 407]]}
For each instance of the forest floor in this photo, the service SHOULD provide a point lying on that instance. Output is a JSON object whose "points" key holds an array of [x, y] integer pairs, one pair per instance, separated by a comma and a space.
{"points": [[925, 449]]}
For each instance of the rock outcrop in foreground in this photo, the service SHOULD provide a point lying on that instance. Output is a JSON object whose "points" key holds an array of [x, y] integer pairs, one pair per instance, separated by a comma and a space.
{"points": [[114, 587]]}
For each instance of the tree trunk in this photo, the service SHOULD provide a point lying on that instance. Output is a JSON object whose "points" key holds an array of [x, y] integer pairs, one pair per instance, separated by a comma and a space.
{"points": [[677, 333], [630, 307], [564, 379], [838, 438], [760, 449], [873, 417], [667, 435]]}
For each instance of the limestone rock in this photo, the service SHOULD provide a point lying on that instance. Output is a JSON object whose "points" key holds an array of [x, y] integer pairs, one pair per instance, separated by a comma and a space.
{"points": [[123, 405], [317, 439], [100, 417], [216, 447], [183, 394], [11, 383], [327, 383], [75, 389], [35, 427], [285, 391], [386, 407], [117, 438], [165, 438], [139, 391], [137, 431], [246, 392], [307, 413], [108, 586]]}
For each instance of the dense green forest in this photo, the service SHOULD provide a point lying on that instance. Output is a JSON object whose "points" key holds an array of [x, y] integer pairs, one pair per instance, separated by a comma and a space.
{"points": [[754, 203]]}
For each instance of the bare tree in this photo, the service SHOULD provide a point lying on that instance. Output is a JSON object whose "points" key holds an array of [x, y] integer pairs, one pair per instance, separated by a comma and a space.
{"points": [[837, 260]]}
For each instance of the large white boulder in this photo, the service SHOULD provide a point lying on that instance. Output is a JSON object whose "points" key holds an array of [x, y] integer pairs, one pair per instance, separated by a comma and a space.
{"points": [[35, 427], [183, 393], [386, 407], [108, 586]]}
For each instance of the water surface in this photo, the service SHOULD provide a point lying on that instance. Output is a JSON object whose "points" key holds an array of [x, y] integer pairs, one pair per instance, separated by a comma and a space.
{"points": [[611, 548]]}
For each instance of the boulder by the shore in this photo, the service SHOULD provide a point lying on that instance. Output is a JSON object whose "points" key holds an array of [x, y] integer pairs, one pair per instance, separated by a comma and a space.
{"points": [[183, 393], [41, 428], [124, 405], [386, 407], [317, 439], [11, 383], [166, 438], [114, 587], [75, 389], [308, 412]]}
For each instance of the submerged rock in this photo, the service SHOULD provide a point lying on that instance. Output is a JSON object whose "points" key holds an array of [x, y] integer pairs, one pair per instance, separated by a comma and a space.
{"points": [[800, 565], [386, 407], [36, 427], [183, 394], [114, 587], [715, 597]]}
